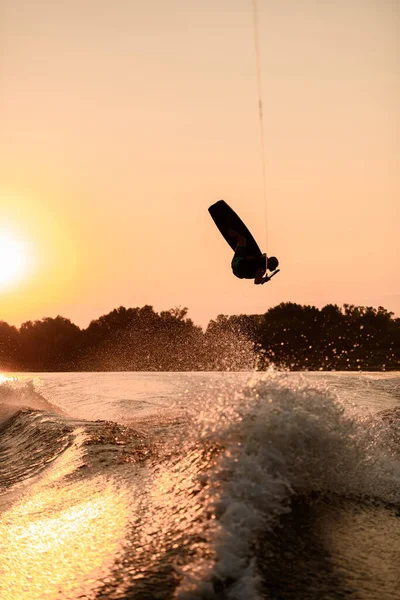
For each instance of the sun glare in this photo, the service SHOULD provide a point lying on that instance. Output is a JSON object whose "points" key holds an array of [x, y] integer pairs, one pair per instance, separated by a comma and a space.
{"points": [[14, 261]]}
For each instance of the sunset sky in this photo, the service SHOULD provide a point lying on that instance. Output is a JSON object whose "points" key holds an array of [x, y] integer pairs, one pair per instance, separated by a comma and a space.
{"points": [[122, 121]]}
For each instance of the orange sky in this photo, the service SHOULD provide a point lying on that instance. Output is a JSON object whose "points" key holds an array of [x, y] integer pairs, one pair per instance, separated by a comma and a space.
{"points": [[121, 122]]}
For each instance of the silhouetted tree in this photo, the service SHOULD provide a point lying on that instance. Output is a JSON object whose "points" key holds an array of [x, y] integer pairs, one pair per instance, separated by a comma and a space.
{"points": [[48, 344], [289, 335], [9, 348], [139, 339]]}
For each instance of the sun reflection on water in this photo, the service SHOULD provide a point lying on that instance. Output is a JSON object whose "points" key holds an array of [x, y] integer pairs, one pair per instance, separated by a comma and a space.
{"points": [[61, 542], [4, 378]]}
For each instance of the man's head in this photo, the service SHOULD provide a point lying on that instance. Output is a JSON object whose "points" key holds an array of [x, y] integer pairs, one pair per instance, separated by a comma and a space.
{"points": [[272, 263]]}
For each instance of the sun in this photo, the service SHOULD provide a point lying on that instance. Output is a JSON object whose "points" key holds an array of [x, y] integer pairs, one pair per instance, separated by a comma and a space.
{"points": [[14, 260]]}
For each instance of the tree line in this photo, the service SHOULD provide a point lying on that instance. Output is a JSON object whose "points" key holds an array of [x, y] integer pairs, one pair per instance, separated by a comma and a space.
{"points": [[289, 336]]}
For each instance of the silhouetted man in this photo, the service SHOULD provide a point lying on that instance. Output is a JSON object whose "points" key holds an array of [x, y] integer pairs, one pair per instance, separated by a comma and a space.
{"points": [[246, 266]]}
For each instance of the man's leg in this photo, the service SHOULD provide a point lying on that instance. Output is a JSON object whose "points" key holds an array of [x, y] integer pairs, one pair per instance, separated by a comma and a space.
{"points": [[261, 270], [259, 276]]}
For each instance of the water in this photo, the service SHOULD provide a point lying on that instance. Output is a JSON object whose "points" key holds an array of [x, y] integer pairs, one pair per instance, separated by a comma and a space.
{"points": [[200, 486]]}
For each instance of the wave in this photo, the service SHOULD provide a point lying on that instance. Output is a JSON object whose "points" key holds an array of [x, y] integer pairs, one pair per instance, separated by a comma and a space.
{"points": [[34, 432], [31, 432], [221, 489], [16, 393], [29, 440], [280, 439]]}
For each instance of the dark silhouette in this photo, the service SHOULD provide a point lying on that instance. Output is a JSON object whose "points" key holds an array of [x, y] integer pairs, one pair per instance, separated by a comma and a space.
{"points": [[248, 262], [289, 336], [246, 266], [296, 337], [9, 346]]}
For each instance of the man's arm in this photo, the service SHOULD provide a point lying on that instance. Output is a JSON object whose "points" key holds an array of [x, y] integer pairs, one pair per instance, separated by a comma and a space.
{"points": [[267, 278]]}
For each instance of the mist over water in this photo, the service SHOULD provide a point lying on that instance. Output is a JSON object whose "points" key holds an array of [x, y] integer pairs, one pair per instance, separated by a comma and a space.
{"points": [[200, 485]]}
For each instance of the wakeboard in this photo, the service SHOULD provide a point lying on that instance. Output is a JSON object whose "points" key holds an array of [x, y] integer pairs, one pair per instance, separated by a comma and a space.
{"points": [[229, 223]]}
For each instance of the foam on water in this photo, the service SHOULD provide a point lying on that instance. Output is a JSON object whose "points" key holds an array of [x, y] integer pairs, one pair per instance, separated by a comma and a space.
{"points": [[16, 393], [279, 437]]}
